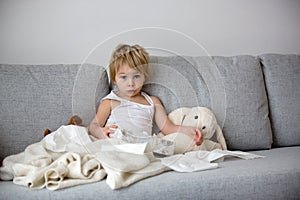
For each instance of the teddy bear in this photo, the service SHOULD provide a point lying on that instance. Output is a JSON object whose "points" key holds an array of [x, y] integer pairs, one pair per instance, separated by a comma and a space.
{"points": [[201, 118], [74, 120]]}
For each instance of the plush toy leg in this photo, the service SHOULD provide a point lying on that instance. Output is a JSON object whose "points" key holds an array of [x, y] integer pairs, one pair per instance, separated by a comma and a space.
{"points": [[220, 138], [183, 143], [210, 145]]}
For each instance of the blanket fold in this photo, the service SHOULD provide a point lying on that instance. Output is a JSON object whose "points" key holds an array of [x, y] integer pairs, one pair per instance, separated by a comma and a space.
{"points": [[125, 168], [69, 157], [71, 169], [202, 160]]}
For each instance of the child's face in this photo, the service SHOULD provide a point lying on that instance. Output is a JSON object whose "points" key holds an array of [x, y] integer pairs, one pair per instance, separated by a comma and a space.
{"points": [[129, 81]]}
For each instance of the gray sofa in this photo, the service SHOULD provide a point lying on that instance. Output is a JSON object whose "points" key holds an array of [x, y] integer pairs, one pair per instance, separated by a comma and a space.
{"points": [[255, 99]]}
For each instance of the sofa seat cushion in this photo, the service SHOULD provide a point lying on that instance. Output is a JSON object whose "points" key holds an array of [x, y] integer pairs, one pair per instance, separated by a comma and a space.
{"points": [[282, 77], [277, 176]]}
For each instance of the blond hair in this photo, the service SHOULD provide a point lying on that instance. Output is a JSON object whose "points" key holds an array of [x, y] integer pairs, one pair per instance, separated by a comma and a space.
{"points": [[135, 56]]}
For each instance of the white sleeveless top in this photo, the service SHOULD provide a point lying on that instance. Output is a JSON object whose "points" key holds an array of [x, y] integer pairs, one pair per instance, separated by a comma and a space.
{"points": [[134, 117]]}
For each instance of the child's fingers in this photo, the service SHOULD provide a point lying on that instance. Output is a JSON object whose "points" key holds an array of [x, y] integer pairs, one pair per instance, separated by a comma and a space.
{"points": [[113, 126], [109, 130], [106, 131], [198, 137]]}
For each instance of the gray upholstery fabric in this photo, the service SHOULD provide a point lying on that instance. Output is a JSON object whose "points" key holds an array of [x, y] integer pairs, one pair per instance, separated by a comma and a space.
{"points": [[247, 125], [282, 77], [232, 87], [277, 176], [177, 83], [36, 97]]}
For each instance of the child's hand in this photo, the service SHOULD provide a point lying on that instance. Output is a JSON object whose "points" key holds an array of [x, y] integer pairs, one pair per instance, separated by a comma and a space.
{"points": [[198, 137], [107, 130], [194, 133]]}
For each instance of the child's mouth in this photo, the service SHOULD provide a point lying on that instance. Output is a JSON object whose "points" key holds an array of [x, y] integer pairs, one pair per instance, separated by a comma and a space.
{"points": [[130, 91]]}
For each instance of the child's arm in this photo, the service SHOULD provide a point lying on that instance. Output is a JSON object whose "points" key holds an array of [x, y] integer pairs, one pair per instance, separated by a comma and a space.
{"points": [[96, 127], [166, 125]]}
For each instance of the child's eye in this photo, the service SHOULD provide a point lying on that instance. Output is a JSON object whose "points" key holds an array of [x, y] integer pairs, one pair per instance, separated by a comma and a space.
{"points": [[123, 77], [137, 76]]}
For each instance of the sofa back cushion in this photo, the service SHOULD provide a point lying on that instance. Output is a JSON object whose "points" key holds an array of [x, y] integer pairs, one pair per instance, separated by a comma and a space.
{"points": [[282, 77], [177, 83], [36, 97], [233, 87]]}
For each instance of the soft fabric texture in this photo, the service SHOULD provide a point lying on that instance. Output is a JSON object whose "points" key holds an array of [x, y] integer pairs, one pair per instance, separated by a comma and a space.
{"points": [[69, 157], [282, 77], [277, 176], [131, 116], [202, 160], [232, 87], [201, 118], [177, 83], [246, 123], [36, 97]]}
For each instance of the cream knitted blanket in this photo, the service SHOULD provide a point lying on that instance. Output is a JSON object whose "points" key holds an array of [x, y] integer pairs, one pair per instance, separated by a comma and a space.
{"points": [[69, 157]]}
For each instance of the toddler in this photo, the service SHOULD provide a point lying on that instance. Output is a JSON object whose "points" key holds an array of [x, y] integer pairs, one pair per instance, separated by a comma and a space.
{"points": [[128, 107]]}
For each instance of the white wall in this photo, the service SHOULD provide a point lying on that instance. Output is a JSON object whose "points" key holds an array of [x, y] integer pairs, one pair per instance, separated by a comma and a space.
{"points": [[69, 31]]}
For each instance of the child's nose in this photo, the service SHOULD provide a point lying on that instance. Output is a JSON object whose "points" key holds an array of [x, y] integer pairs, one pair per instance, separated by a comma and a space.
{"points": [[130, 82]]}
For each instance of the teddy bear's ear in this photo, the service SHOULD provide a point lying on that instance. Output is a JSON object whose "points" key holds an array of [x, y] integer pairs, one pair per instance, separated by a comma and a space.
{"points": [[220, 138], [178, 115]]}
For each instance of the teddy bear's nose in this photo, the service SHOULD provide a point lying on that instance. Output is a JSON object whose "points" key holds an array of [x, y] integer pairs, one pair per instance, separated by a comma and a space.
{"points": [[203, 127], [196, 117]]}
